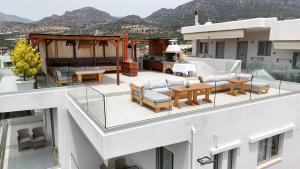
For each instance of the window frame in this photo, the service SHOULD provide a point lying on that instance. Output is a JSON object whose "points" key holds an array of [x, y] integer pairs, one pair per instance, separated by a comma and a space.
{"points": [[203, 47], [231, 159], [264, 48], [268, 148], [217, 161]]}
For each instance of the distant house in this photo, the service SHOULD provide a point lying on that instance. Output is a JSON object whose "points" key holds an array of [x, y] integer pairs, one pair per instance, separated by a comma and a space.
{"points": [[267, 41], [5, 60], [3, 49]]}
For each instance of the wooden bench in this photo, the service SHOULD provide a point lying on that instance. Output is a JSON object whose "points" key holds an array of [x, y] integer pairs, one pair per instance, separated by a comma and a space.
{"points": [[98, 73]]}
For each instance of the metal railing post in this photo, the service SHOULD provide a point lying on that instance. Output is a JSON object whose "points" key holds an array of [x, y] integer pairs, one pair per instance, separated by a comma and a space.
{"points": [[280, 81], [215, 96], [251, 86]]}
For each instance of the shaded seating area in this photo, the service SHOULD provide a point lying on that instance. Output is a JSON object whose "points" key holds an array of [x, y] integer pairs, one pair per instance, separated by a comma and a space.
{"points": [[64, 75], [66, 57]]}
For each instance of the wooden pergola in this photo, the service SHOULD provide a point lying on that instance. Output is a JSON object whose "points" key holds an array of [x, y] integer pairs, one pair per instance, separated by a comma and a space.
{"points": [[156, 46], [36, 39]]}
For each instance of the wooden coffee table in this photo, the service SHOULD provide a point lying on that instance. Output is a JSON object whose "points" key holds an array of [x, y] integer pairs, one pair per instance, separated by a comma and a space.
{"points": [[191, 94], [239, 84], [99, 74]]}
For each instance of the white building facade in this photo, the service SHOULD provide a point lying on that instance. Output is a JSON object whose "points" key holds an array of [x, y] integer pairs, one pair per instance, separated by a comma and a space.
{"points": [[268, 41], [262, 133]]}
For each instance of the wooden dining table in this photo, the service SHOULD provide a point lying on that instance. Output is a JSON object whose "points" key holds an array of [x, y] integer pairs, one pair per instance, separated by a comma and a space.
{"points": [[192, 93]]}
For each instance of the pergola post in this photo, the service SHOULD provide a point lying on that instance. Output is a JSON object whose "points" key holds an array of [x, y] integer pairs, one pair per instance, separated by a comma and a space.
{"points": [[118, 63], [94, 53]]}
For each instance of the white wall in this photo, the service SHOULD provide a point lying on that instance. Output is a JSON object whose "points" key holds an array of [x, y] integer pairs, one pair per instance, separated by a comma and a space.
{"points": [[252, 38], [75, 142], [287, 30], [230, 123], [181, 154], [144, 160]]}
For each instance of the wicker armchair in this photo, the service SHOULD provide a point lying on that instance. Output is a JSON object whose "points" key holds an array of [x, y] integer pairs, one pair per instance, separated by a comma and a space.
{"points": [[24, 140], [38, 137]]}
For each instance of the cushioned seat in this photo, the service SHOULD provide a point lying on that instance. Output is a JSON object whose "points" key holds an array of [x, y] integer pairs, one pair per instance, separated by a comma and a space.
{"points": [[258, 84], [220, 83], [164, 90], [158, 84], [156, 97], [65, 78], [180, 82]]}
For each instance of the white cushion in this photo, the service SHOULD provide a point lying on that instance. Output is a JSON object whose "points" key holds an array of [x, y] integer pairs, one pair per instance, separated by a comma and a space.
{"points": [[231, 76], [179, 82], [158, 84], [207, 79], [244, 76], [221, 77], [192, 82]]}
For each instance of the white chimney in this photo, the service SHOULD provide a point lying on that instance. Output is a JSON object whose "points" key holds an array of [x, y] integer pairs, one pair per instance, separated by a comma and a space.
{"points": [[196, 18], [173, 47]]}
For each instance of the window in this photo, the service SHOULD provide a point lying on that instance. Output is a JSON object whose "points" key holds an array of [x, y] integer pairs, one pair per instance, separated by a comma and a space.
{"points": [[268, 149], [264, 48], [230, 156], [231, 159], [164, 158], [217, 161], [296, 60], [203, 48]]}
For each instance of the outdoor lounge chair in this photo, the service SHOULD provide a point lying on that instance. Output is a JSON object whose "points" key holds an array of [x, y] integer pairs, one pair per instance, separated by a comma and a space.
{"points": [[24, 140], [144, 95], [157, 100], [38, 137]]}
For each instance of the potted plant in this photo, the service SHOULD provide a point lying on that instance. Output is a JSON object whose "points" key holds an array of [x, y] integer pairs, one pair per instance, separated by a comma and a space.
{"points": [[27, 62], [55, 155]]}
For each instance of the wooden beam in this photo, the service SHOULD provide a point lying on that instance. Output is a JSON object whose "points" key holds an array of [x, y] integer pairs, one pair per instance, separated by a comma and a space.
{"points": [[115, 43], [94, 53], [73, 37], [118, 62], [48, 42], [36, 42]]}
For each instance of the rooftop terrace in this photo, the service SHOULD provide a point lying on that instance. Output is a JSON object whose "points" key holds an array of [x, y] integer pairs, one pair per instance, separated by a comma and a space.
{"points": [[111, 106]]}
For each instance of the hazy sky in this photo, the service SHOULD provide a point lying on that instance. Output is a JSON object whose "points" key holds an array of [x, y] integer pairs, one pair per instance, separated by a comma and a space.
{"points": [[37, 9]]}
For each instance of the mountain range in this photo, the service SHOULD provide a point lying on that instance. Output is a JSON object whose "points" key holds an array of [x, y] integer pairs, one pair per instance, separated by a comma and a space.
{"points": [[13, 18], [164, 22]]}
